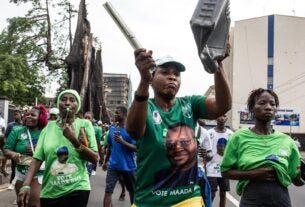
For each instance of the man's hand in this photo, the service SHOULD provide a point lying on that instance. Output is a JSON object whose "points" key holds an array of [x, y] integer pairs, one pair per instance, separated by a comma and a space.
{"points": [[144, 63], [119, 139], [227, 52], [104, 166]]}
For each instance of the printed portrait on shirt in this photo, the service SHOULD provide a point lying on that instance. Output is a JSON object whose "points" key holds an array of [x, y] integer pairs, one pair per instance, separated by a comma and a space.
{"points": [[61, 166], [221, 145], [181, 151]]}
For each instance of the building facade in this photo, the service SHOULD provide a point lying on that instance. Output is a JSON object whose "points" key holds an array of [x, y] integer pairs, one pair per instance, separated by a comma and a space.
{"points": [[268, 52], [118, 89]]}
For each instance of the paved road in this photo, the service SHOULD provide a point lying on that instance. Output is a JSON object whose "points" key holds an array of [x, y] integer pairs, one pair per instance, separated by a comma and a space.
{"points": [[96, 196], [98, 185]]}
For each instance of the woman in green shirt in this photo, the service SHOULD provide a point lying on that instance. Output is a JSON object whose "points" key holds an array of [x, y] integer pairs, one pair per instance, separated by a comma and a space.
{"points": [[264, 160], [65, 145], [20, 146]]}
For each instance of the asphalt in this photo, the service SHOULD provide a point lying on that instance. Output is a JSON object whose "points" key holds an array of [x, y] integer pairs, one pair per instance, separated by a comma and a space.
{"points": [[98, 187], [96, 196]]}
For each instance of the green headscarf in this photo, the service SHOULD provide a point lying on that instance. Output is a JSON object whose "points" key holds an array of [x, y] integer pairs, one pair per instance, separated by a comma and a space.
{"points": [[74, 93]]}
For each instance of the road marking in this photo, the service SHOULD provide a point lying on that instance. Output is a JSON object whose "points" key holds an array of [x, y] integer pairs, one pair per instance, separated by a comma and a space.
{"points": [[2, 190], [232, 199]]}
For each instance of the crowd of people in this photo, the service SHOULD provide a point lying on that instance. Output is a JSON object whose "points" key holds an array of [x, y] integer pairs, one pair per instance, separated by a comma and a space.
{"points": [[158, 149]]}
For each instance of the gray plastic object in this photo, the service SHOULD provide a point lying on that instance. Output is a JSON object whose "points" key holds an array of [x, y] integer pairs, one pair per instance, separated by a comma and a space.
{"points": [[210, 24]]}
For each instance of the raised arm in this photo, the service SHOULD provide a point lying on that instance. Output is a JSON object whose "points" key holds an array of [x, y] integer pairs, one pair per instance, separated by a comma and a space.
{"points": [[136, 118], [222, 101]]}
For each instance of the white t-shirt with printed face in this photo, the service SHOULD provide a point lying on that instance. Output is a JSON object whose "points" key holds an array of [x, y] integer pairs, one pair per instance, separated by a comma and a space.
{"points": [[204, 142], [213, 166]]}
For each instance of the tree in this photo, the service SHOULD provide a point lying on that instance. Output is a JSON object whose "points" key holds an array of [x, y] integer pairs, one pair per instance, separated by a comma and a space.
{"points": [[18, 82], [85, 67], [40, 45], [50, 38]]}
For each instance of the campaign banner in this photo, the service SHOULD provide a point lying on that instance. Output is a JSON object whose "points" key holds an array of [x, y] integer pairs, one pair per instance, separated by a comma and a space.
{"points": [[245, 117], [287, 117], [283, 117]]}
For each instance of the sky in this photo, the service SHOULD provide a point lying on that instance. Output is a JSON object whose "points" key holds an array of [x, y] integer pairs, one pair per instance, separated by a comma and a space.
{"points": [[163, 27]]}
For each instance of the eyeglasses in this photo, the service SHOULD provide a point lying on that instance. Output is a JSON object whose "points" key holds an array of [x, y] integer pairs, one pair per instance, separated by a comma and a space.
{"points": [[183, 143]]}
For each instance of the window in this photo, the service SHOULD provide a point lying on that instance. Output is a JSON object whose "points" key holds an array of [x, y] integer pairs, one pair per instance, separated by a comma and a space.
{"points": [[270, 70]]}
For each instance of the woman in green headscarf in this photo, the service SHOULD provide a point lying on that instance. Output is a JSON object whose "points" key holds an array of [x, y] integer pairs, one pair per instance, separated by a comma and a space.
{"points": [[65, 145]]}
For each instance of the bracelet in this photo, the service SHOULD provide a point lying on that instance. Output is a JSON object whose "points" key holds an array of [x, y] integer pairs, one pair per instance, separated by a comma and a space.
{"points": [[80, 148], [139, 98], [24, 188]]}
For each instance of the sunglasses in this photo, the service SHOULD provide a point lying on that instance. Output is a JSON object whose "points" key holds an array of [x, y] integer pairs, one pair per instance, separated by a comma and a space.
{"points": [[183, 143]]}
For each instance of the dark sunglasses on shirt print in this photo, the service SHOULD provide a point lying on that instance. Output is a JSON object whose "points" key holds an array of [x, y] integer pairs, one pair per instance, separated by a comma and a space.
{"points": [[185, 142]]}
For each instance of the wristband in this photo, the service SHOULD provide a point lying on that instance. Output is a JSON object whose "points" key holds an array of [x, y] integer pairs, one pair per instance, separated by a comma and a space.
{"points": [[80, 148], [24, 188], [140, 98]]}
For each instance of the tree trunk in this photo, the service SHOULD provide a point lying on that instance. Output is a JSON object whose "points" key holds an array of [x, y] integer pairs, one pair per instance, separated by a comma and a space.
{"points": [[85, 68], [76, 59], [88, 58], [97, 90]]}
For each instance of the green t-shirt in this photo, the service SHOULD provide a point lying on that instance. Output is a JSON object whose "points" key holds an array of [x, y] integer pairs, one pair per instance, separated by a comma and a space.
{"points": [[98, 133], [65, 170], [17, 141], [105, 141], [247, 150], [152, 160]]}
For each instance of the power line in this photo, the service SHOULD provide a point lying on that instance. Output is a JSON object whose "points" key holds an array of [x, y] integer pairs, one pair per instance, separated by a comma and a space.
{"points": [[291, 87], [302, 75], [293, 100]]}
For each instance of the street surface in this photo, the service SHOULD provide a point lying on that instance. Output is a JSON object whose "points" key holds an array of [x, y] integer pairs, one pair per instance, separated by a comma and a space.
{"points": [[98, 185], [96, 196]]}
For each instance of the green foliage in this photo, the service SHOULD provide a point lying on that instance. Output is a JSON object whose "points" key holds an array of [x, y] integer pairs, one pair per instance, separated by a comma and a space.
{"points": [[18, 38], [33, 49], [18, 81]]}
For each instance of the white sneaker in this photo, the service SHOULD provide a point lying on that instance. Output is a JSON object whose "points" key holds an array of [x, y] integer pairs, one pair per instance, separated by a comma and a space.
{"points": [[11, 187], [15, 202], [93, 172]]}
